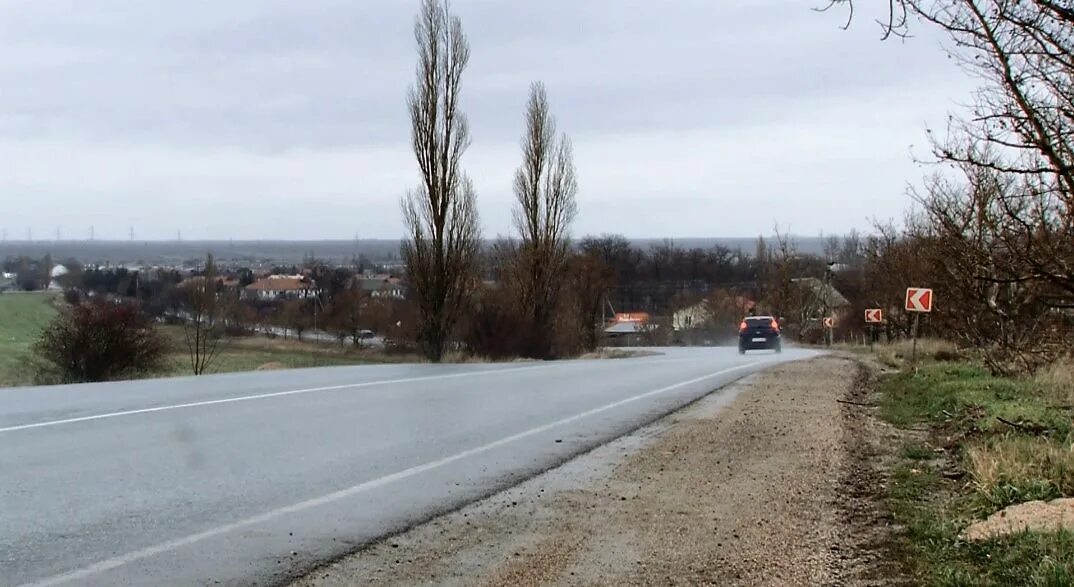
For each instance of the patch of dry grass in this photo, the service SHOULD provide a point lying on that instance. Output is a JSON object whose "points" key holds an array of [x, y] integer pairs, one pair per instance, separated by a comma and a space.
{"points": [[618, 353], [1016, 467], [899, 353], [1057, 380], [251, 353], [460, 357]]}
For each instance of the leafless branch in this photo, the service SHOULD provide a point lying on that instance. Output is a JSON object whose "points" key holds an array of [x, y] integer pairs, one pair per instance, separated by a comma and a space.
{"points": [[200, 327]]}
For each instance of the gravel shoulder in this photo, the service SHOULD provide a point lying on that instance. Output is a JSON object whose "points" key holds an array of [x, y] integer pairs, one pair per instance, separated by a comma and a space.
{"points": [[766, 482]]}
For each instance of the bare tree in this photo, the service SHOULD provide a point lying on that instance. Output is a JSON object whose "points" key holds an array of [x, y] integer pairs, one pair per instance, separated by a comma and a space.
{"points": [[1022, 125], [545, 188], [589, 278], [347, 314], [987, 305], [442, 245], [779, 272], [201, 327]]}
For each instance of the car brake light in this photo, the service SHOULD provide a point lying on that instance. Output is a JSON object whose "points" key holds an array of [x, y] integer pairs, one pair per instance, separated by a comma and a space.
{"points": [[742, 326]]}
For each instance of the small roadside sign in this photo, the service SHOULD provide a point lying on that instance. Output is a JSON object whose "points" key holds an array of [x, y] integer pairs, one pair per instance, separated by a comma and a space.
{"points": [[829, 322], [874, 316], [918, 299]]}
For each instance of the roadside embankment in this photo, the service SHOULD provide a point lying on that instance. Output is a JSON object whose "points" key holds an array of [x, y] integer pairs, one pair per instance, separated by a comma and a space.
{"points": [[979, 470]]}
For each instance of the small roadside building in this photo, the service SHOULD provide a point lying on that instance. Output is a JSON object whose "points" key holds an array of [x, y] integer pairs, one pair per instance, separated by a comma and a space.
{"points": [[629, 329]]}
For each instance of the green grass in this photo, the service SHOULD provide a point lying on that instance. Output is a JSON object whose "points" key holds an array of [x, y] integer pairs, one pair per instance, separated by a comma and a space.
{"points": [[916, 451], [22, 317], [983, 466], [966, 397]]}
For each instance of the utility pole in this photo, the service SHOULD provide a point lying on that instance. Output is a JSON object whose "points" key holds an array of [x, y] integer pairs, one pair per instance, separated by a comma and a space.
{"points": [[91, 232], [58, 234], [132, 233], [29, 234]]}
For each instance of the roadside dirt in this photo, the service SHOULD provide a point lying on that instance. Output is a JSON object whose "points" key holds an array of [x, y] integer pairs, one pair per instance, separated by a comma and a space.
{"points": [[1039, 516], [773, 489]]}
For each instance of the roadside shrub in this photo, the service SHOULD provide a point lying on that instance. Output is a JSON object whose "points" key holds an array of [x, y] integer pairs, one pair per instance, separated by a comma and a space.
{"points": [[99, 340], [495, 329], [72, 296]]}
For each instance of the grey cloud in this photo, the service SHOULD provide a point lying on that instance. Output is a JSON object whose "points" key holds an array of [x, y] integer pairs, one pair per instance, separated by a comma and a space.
{"points": [[215, 97], [276, 75]]}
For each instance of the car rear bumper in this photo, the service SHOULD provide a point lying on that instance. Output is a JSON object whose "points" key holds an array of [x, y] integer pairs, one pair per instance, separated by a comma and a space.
{"points": [[750, 344]]}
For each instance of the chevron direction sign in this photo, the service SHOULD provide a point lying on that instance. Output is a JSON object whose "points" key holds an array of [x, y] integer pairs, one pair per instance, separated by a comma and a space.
{"points": [[918, 299]]}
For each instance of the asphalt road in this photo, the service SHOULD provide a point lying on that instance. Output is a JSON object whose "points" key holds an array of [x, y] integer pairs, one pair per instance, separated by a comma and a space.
{"points": [[255, 477]]}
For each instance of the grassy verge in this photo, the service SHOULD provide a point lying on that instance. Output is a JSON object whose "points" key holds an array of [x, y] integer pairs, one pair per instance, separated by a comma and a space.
{"points": [[261, 353], [973, 445], [22, 317]]}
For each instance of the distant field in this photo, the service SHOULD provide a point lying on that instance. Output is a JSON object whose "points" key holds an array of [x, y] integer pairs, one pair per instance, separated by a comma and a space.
{"points": [[22, 317], [253, 353]]}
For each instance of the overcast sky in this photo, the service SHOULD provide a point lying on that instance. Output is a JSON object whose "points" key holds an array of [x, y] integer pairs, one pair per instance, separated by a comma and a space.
{"points": [[286, 119]]}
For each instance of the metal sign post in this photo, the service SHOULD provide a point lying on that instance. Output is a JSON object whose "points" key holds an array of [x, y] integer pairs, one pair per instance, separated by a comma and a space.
{"points": [[917, 322]]}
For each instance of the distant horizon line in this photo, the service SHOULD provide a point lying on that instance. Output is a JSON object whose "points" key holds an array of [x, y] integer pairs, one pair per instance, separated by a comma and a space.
{"points": [[381, 239]]}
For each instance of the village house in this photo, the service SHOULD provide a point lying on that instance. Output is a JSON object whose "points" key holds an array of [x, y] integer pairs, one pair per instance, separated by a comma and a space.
{"points": [[378, 286], [628, 328], [815, 295], [274, 287], [708, 313], [222, 281]]}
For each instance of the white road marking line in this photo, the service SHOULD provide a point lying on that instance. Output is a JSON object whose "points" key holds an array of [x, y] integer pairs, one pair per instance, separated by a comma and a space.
{"points": [[244, 398], [128, 558], [108, 415]]}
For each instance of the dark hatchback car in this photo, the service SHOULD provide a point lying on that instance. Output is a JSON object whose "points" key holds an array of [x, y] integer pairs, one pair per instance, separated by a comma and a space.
{"points": [[759, 333]]}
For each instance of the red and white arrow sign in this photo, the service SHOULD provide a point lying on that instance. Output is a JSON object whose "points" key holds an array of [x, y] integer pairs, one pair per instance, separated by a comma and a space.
{"points": [[918, 299], [829, 322], [874, 316]]}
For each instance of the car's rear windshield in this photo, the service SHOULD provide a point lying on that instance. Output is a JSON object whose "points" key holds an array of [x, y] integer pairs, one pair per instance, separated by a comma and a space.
{"points": [[759, 321]]}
